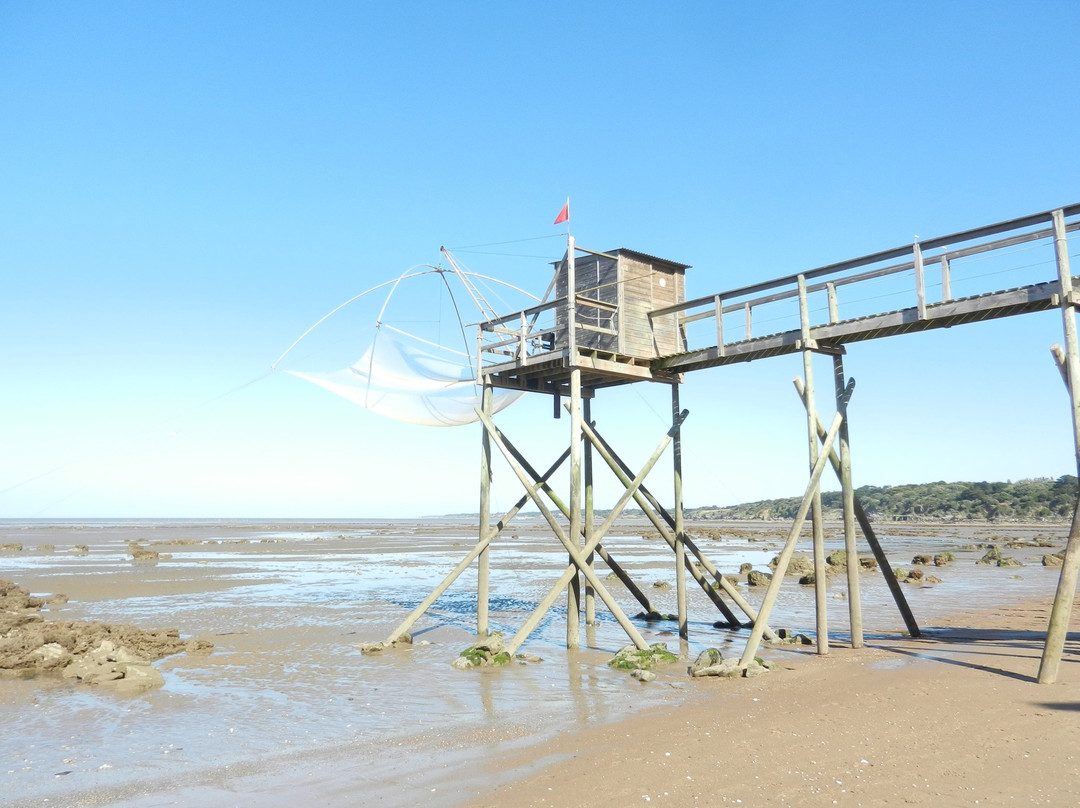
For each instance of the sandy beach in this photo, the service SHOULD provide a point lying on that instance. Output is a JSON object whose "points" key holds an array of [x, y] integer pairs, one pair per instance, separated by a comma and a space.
{"points": [[286, 709]]}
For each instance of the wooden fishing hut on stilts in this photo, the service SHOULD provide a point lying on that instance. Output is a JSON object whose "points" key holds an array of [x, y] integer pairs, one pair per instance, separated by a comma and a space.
{"points": [[622, 317]]}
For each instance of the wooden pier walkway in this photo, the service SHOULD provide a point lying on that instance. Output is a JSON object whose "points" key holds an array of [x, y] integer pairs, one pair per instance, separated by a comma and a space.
{"points": [[913, 261]]}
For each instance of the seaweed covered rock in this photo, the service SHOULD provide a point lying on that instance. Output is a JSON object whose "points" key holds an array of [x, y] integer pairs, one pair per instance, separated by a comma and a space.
{"points": [[994, 558], [631, 657], [486, 651], [758, 578]]}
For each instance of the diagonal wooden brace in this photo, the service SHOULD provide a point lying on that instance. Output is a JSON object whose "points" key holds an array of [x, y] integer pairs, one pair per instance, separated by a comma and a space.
{"points": [[871, 537], [644, 501], [615, 567], [481, 545], [577, 555], [793, 536], [650, 507]]}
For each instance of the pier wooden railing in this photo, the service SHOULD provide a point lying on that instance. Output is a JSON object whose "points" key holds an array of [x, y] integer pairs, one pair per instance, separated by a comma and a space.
{"points": [[907, 267]]}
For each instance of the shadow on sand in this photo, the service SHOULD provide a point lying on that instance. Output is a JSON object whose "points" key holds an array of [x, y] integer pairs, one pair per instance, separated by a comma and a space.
{"points": [[977, 649]]}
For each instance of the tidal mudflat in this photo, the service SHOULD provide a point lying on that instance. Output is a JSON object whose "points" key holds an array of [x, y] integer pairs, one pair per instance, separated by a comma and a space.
{"points": [[286, 704]]}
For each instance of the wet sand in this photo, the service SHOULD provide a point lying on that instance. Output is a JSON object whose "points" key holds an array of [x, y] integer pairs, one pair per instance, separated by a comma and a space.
{"points": [[287, 710]]}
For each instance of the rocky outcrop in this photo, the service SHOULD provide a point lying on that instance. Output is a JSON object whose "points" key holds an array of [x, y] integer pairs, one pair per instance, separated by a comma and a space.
{"points": [[994, 558], [837, 559], [400, 641], [758, 578], [711, 662], [798, 565], [90, 652]]}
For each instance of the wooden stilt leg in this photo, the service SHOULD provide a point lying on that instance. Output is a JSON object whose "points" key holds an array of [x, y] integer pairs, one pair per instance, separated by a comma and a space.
{"points": [[820, 593], [483, 563], [773, 589], [573, 591], [590, 593], [1062, 609], [680, 527], [848, 494], [871, 538]]}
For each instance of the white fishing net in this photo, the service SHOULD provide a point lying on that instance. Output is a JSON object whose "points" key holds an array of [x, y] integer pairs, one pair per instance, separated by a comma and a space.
{"points": [[411, 384], [417, 367]]}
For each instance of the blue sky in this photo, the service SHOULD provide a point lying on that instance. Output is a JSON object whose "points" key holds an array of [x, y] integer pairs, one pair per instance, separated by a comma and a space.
{"points": [[187, 186]]}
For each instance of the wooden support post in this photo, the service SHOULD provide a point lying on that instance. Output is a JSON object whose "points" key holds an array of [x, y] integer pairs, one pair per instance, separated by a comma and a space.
{"points": [[820, 592], [590, 593], [1062, 609], [571, 301], [946, 280], [680, 527], [480, 547], [871, 539], [573, 591], [484, 563], [479, 355], [834, 306], [719, 307], [784, 559], [920, 281], [749, 318], [848, 494]]}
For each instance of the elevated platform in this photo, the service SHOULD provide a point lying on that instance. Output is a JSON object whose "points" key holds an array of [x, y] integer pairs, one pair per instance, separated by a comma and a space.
{"points": [[550, 372]]}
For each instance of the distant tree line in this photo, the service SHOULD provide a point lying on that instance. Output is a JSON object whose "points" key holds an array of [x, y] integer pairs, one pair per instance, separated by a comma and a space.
{"points": [[1041, 499]]}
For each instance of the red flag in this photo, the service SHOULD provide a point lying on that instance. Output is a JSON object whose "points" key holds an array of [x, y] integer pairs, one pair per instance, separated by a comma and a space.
{"points": [[564, 214]]}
